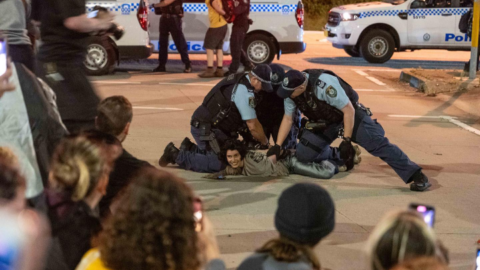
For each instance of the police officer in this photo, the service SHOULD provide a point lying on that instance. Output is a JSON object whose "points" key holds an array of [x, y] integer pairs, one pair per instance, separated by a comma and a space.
{"points": [[239, 31], [171, 23], [324, 97], [227, 111], [270, 110]]}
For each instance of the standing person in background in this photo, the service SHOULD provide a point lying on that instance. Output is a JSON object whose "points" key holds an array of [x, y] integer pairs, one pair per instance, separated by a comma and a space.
{"points": [[13, 25], [65, 30], [214, 38], [239, 31], [171, 23]]}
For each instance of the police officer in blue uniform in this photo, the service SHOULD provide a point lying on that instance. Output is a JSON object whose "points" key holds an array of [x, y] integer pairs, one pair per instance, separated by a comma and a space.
{"points": [[325, 98], [171, 23], [270, 110], [227, 111]]}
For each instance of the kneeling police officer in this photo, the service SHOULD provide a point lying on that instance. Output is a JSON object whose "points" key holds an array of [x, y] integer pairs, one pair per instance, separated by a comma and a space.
{"points": [[227, 111], [328, 101]]}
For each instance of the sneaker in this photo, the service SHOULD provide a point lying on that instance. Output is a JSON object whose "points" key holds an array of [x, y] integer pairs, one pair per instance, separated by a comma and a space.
{"points": [[420, 182], [160, 69], [357, 159], [209, 73], [169, 155], [186, 144], [219, 72], [188, 68]]}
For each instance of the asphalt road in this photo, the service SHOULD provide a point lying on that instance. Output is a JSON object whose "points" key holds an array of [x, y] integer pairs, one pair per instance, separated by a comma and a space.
{"points": [[242, 208]]}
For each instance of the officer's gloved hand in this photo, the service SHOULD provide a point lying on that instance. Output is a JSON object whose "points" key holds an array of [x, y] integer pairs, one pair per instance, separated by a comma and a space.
{"points": [[274, 150], [347, 153]]}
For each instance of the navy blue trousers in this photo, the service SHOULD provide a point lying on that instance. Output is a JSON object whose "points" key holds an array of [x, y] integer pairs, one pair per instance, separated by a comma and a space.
{"points": [[172, 25], [203, 159], [369, 135]]}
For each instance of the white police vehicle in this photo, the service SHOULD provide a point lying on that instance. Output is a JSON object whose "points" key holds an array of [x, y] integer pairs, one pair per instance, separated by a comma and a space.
{"points": [[277, 29], [375, 30], [104, 52]]}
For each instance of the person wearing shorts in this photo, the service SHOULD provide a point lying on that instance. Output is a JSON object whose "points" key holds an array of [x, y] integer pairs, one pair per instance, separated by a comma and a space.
{"points": [[214, 38]]}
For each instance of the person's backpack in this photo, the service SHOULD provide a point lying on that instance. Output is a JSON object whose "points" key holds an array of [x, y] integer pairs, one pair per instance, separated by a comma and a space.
{"points": [[465, 21]]}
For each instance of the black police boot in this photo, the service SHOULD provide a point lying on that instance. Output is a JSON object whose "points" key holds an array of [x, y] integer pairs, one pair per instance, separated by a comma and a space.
{"points": [[160, 69], [188, 68], [187, 145], [420, 182], [169, 155]]}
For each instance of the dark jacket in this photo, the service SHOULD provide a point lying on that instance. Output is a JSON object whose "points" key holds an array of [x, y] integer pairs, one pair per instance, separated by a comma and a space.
{"points": [[73, 226], [126, 166], [263, 261]]}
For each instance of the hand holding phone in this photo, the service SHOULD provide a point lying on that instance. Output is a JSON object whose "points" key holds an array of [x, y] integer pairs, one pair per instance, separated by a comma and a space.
{"points": [[427, 212], [3, 55], [198, 214]]}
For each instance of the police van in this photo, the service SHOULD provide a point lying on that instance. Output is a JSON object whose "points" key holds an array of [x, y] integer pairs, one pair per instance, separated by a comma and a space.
{"points": [[103, 52], [277, 29], [375, 30]]}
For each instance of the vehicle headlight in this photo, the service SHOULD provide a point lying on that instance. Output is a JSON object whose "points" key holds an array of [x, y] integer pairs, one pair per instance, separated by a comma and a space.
{"points": [[349, 16]]}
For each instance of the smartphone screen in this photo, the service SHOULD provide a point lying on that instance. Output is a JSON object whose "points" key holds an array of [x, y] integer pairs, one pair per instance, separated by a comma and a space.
{"points": [[198, 214], [92, 14], [428, 213], [477, 259], [3, 55]]}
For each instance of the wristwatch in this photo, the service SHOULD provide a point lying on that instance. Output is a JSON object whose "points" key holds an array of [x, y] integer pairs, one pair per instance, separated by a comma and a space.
{"points": [[347, 139]]}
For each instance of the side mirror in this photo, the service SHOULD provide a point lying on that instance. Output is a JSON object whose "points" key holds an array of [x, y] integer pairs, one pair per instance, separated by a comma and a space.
{"points": [[417, 4]]}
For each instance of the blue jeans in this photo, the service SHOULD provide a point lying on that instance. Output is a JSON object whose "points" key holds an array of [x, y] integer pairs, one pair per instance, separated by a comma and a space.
{"points": [[203, 162]]}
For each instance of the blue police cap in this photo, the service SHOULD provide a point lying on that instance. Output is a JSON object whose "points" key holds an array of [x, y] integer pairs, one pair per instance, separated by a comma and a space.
{"points": [[264, 74], [292, 80]]}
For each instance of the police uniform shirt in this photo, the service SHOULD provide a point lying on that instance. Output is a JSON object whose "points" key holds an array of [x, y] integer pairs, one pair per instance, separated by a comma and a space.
{"points": [[244, 99], [328, 90]]}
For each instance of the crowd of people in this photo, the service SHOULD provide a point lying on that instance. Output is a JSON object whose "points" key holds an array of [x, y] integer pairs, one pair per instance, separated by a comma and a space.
{"points": [[71, 196]]}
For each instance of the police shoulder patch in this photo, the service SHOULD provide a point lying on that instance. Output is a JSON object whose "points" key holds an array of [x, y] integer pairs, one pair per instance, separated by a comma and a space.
{"points": [[231, 77], [331, 91], [252, 102]]}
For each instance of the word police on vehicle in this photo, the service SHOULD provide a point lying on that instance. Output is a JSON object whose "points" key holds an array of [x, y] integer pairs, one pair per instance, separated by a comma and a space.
{"points": [[376, 30]]}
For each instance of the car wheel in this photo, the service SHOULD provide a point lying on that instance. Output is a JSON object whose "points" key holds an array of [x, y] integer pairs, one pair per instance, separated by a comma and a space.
{"points": [[260, 49], [377, 46], [352, 51], [101, 56]]}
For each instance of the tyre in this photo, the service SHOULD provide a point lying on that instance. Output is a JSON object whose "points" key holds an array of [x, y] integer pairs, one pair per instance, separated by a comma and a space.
{"points": [[101, 56], [260, 49], [352, 51], [377, 46]]}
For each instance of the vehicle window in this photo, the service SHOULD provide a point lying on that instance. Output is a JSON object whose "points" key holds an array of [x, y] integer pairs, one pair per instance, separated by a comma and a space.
{"points": [[464, 3], [194, 1], [438, 3]]}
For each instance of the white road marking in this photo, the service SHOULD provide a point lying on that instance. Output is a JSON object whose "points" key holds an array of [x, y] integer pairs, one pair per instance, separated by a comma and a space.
{"points": [[375, 81], [157, 108], [450, 119], [323, 40], [193, 84], [116, 82], [387, 70], [361, 73]]}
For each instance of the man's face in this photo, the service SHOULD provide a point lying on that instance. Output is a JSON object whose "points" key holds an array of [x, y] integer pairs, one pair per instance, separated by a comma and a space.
{"points": [[257, 84], [234, 159]]}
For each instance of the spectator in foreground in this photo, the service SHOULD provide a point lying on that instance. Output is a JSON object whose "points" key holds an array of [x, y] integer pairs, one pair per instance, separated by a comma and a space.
{"points": [[78, 180], [305, 215], [422, 263], [12, 183], [114, 117], [214, 38], [154, 228], [402, 236]]}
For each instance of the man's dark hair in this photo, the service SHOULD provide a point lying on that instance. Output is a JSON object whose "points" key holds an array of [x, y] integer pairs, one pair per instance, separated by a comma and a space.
{"points": [[114, 113], [232, 145]]}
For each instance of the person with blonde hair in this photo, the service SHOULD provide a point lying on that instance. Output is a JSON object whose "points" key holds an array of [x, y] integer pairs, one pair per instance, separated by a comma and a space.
{"points": [[77, 182], [305, 215], [153, 228], [402, 236]]}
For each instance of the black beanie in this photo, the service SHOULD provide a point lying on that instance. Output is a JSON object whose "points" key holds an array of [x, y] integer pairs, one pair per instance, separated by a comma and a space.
{"points": [[305, 213]]}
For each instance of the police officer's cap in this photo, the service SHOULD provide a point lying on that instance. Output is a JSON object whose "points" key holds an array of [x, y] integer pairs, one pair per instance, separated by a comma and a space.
{"points": [[278, 74], [264, 74], [292, 80]]}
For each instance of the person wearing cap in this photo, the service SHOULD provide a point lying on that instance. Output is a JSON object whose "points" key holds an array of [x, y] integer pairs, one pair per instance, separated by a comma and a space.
{"points": [[325, 98], [227, 111], [305, 215], [270, 110]]}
